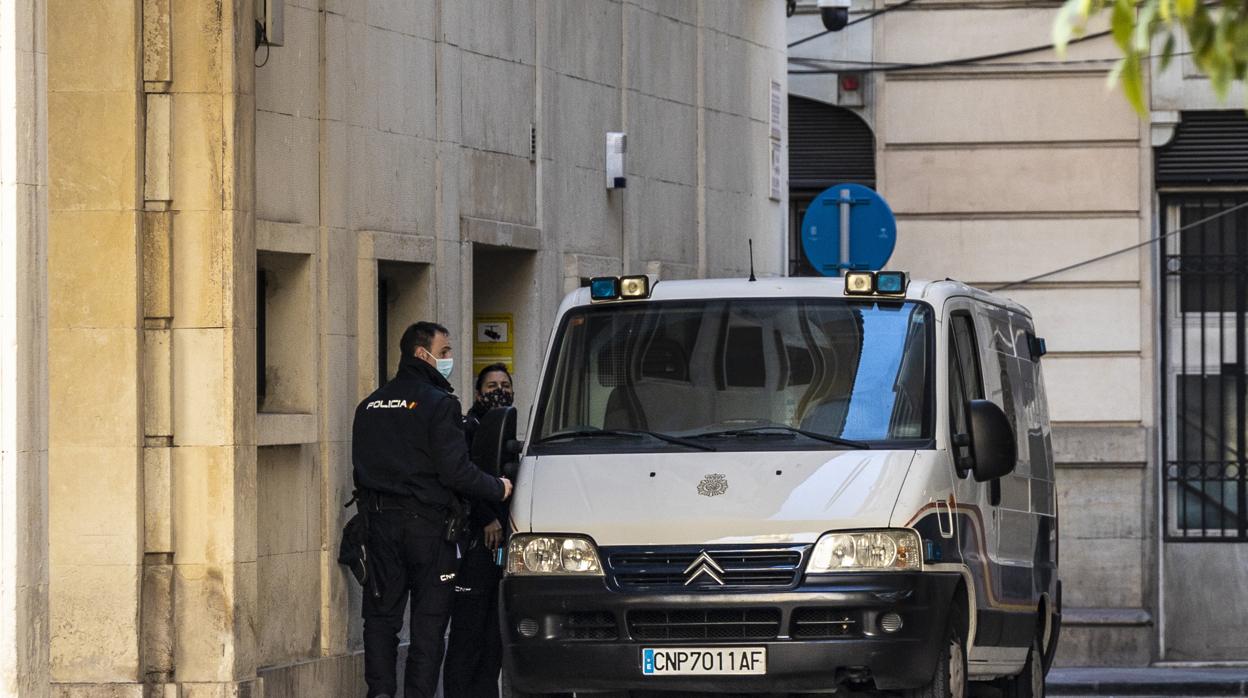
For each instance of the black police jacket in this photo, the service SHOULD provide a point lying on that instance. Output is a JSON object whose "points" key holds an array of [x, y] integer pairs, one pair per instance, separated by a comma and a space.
{"points": [[408, 441]]}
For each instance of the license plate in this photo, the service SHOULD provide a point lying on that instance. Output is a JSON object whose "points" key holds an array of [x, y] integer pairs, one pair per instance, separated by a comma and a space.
{"points": [[703, 661]]}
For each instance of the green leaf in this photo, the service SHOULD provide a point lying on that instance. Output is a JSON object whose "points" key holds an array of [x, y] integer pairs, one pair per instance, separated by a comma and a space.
{"points": [[1129, 74], [1122, 22], [1185, 8], [1167, 52]]}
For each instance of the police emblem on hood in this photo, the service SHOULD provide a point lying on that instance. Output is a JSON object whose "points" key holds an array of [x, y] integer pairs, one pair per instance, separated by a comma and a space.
{"points": [[713, 485]]}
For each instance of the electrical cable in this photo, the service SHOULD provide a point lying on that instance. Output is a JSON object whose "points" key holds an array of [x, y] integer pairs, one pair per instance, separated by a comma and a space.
{"points": [[847, 65], [869, 15], [894, 67], [1136, 246]]}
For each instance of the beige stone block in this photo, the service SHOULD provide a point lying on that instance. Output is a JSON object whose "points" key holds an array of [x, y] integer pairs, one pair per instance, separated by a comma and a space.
{"points": [[202, 389], [1006, 109], [287, 84], [339, 381], [1205, 603], [1099, 504], [927, 34], [94, 623], [95, 517], [92, 45], [158, 500], [1102, 646], [157, 46], [157, 264], [339, 272], [93, 381], [499, 187], [288, 176], [93, 268], [987, 180], [199, 150], [213, 505], [288, 482], [254, 688], [215, 614], [158, 149], [1107, 319], [239, 148], [484, 125], [157, 383], [988, 252], [655, 40], [1102, 572], [93, 145], [239, 284], [1094, 389], [289, 607], [157, 620], [1101, 446], [98, 690], [276, 429], [198, 46], [200, 253], [327, 677]]}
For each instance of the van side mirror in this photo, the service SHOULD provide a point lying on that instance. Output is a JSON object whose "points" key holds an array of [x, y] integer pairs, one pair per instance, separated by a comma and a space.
{"points": [[992, 441], [494, 443]]}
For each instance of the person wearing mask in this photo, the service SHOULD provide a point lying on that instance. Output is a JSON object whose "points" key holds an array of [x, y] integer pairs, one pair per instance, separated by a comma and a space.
{"points": [[474, 653], [411, 466]]}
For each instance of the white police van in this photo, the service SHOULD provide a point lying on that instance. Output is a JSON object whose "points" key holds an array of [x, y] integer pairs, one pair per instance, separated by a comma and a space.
{"points": [[784, 485]]}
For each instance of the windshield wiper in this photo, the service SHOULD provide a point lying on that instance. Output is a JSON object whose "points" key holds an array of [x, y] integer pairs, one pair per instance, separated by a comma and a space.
{"points": [[786, 429], [637, 433]]}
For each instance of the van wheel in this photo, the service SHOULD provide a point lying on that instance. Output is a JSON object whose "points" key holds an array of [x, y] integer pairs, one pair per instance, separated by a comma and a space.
{"points": [[1030, 681], [949, 677]]}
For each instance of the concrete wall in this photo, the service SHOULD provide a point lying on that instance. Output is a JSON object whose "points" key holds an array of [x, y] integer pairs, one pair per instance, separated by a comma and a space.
{"points": [[998, 173], [23, 350], [452, 149]]}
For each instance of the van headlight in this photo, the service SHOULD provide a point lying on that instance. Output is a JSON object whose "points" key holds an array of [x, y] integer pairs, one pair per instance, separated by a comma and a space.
{"points": [[895, 549], [537, 554]]}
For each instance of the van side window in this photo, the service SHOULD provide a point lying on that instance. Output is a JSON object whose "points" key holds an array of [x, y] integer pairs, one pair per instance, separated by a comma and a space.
{"points": [[965, 384]]}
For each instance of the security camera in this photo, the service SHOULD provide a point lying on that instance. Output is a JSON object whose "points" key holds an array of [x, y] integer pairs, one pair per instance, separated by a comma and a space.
{"points": [[834, 13]]}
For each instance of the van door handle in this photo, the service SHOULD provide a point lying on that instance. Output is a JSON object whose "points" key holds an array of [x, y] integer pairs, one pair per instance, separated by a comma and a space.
{"points": [[944, 518]]}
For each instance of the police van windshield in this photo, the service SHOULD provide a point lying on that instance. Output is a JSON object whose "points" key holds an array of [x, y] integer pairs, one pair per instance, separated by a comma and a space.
{"points": [[738, 374]]}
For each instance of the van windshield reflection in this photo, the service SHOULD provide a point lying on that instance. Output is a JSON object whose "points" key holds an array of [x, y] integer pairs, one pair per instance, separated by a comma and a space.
{"points": [[741, 374]]}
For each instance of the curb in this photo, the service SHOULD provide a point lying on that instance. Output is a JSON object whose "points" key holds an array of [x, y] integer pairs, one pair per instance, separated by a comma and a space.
{"points": [[1147, 682]]}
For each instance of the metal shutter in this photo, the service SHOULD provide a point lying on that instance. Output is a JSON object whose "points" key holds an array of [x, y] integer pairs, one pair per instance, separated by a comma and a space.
{"points": [[828, 145], [1210, 147]]}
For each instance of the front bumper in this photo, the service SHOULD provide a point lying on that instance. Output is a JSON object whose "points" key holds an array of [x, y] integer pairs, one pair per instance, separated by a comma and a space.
{"points": [[559, 652]]}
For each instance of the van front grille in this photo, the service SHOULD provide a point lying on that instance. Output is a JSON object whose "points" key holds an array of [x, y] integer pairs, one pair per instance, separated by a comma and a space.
{"points": [[636, 569], [707, 624]]}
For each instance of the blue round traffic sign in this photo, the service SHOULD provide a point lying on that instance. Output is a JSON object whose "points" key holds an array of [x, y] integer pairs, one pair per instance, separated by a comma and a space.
{"points": [[872, 230]]}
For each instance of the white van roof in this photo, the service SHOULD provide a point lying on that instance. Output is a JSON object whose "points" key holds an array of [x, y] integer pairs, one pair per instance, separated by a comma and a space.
{"points": [[933, 292]]}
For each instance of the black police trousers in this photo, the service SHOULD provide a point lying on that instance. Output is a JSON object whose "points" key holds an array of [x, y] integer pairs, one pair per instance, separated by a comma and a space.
{"points": [[474, 653], [410, 557]]}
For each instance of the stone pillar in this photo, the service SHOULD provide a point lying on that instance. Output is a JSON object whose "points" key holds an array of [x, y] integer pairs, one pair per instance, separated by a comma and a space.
{"points": [[23, 351], [213, 336]]}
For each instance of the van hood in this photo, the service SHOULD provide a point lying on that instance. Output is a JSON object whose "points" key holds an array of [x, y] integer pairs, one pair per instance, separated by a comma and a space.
{"points": [[706, 498]]}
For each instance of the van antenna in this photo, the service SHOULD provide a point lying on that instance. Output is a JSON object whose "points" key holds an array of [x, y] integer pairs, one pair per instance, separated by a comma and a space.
{"points": [[752, 277]]}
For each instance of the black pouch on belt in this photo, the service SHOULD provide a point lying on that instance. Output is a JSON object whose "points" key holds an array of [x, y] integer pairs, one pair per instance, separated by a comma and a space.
{"points": [[353, 550]]}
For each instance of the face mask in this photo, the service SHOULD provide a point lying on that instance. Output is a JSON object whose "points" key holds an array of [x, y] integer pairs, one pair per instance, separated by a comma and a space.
{"points": [[497, 398], [445, 366]]}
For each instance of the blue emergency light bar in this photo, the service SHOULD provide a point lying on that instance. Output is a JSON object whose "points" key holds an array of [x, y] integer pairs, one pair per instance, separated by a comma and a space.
{"points": [[609, 288], [882, 283]]}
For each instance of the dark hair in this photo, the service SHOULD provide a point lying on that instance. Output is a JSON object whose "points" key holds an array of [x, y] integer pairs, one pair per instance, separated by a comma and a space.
{"points": [[420, 335], [490, 369]]}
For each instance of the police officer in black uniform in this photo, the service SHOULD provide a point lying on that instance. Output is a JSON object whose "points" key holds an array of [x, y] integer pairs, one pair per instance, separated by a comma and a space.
{"points": [[474, 652], [411, 468]]}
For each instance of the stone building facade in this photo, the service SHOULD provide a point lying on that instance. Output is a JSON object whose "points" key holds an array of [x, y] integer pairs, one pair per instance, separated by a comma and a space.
{"points": [[1007, 167], [233, 238]]}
